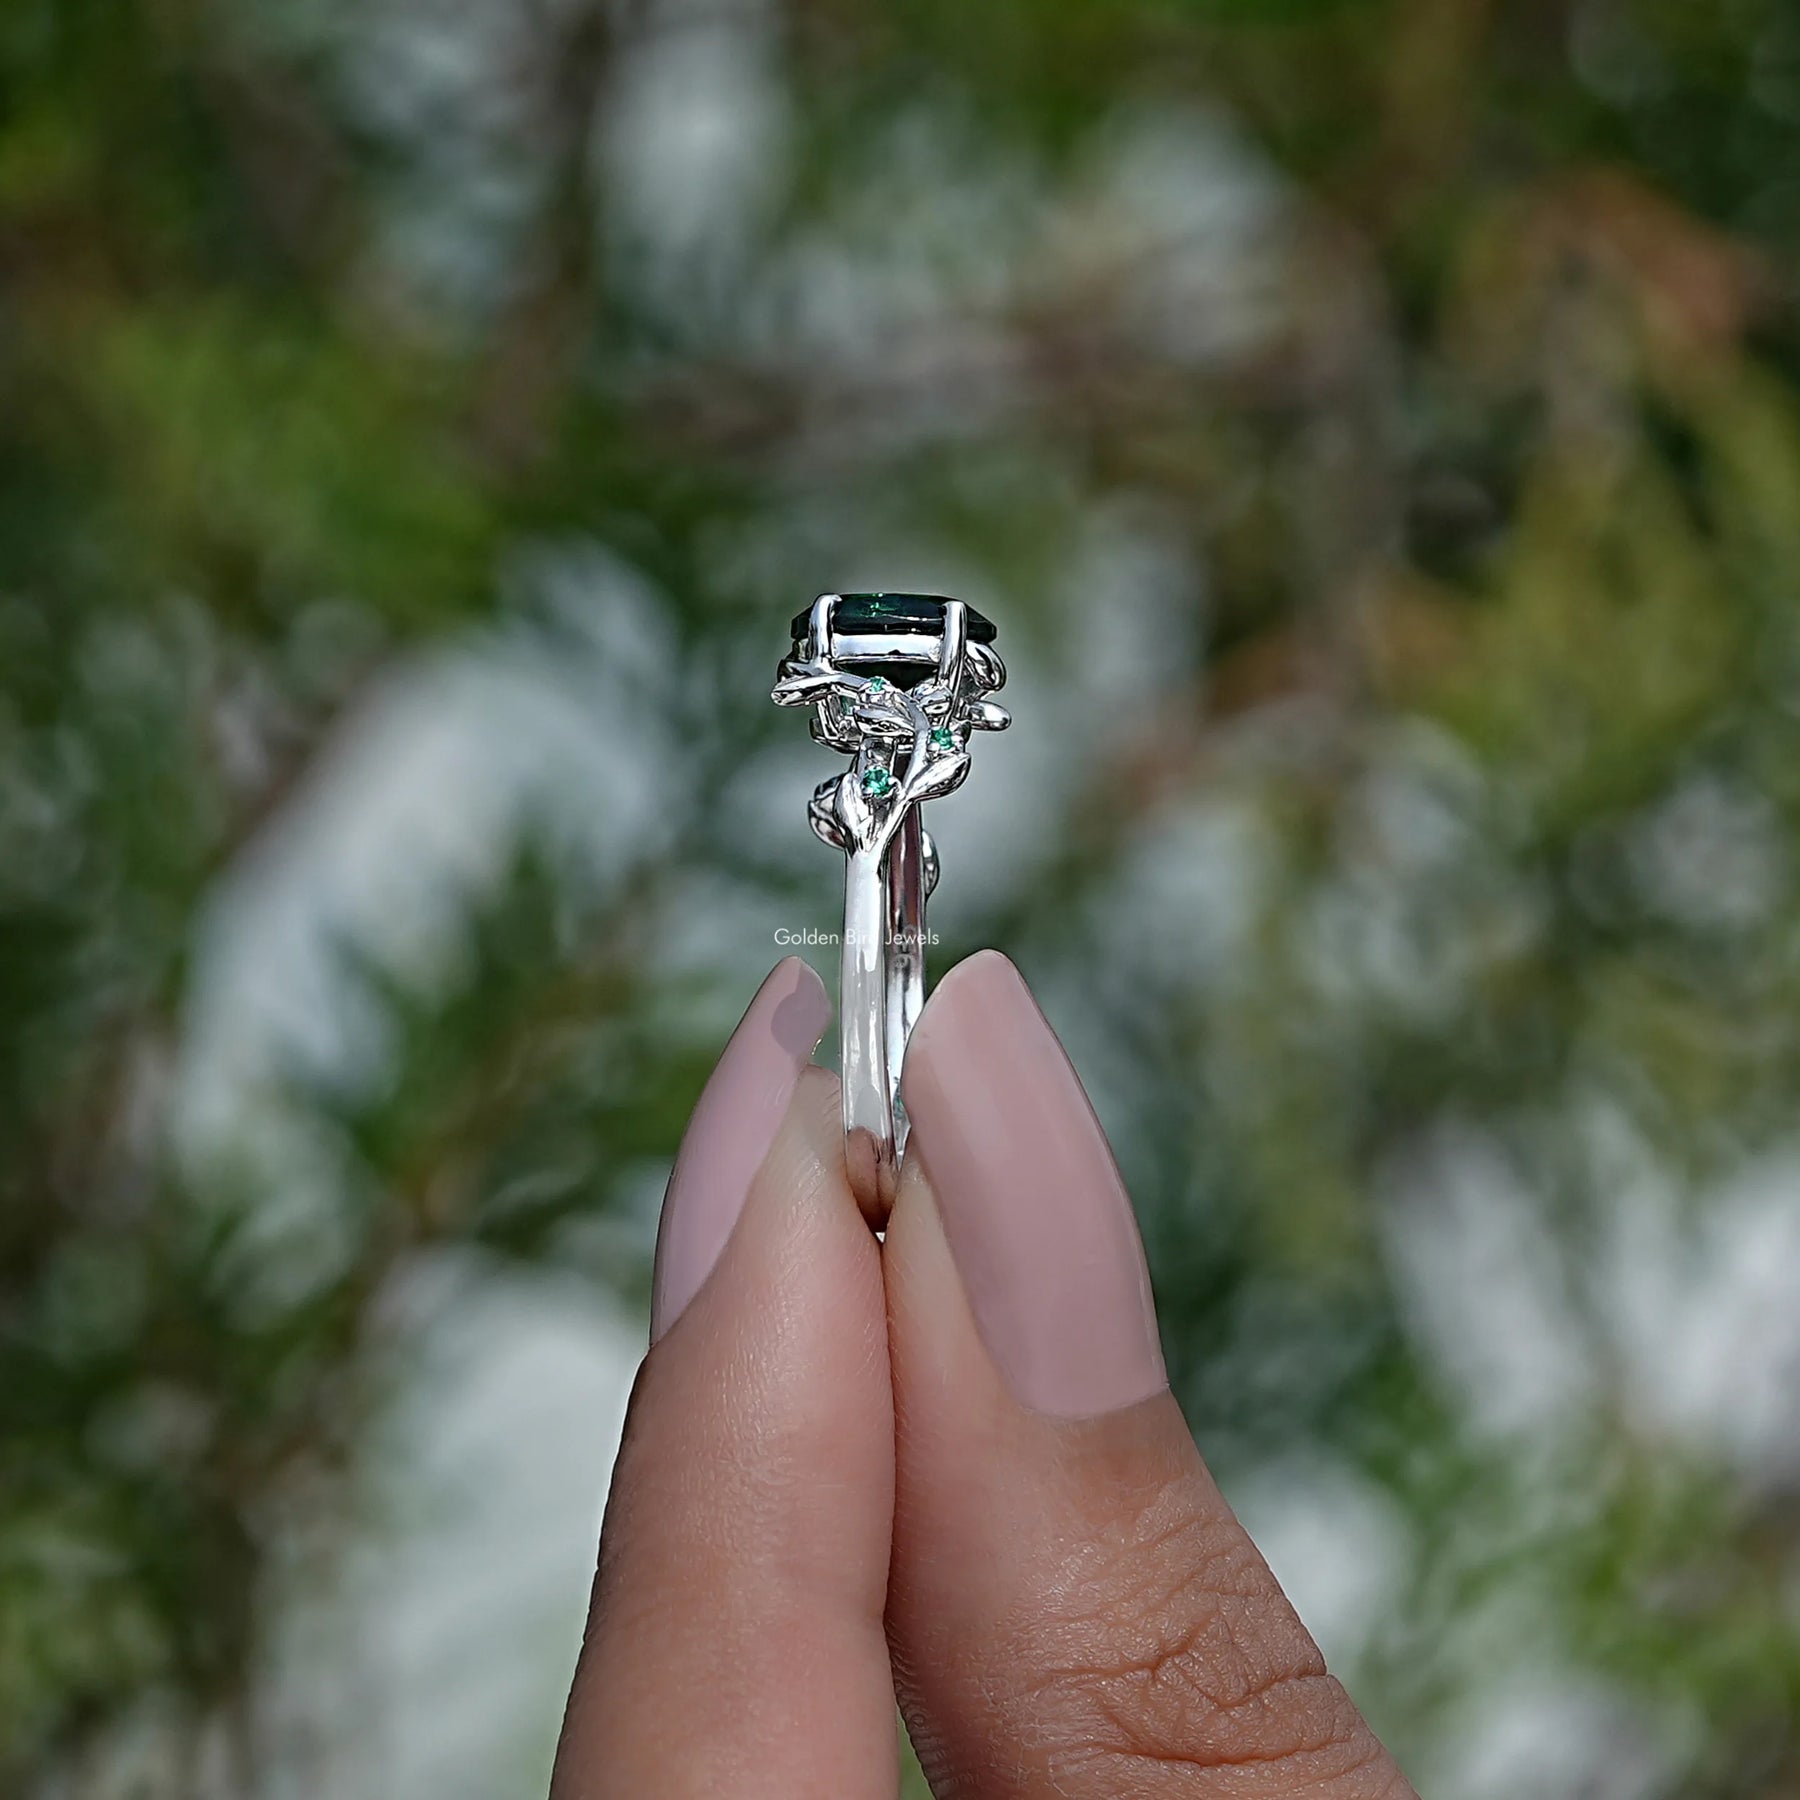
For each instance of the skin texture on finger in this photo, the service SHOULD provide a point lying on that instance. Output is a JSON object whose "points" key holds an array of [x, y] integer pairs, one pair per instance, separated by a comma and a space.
{"points": [[735, 1641], [1073, 1610]]}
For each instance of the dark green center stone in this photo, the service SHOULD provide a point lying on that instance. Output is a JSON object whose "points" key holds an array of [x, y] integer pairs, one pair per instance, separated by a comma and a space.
{"points": [[900, 615]]}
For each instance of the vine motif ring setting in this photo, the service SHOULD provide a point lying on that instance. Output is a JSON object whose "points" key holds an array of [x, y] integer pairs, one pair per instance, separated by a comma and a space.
{"points": [[899, 682]]}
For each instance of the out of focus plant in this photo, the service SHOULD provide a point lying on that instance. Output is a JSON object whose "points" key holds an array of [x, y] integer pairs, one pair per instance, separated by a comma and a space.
{"points": [[1377, 425]]}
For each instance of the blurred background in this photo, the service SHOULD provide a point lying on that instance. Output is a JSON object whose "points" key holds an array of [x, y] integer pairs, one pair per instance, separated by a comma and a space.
{"points": [[1375, 427]]}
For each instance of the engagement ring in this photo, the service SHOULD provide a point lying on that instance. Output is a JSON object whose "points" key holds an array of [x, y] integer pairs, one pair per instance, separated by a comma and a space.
{"points": [[898, 681]]}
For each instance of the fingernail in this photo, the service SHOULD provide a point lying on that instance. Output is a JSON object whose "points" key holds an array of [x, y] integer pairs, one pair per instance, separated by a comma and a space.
{"points": [[1038, 1220], [734, 1125]]}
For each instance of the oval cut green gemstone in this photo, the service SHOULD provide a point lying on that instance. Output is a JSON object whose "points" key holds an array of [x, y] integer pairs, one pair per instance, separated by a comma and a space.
{"points": [[902, 615], [942, 739], [877, 782]]}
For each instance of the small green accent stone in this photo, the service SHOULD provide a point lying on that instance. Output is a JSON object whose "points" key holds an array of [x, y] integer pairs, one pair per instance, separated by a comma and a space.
{"points": [[877, 684], [942, 739], [876, 782]]}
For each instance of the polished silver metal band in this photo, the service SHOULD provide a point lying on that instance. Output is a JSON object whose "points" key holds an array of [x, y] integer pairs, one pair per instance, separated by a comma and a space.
{"points": [[907, 731]]}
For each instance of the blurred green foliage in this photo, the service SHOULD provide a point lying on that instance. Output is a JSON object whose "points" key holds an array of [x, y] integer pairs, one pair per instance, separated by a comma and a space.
{"points": [[1376, 427]]}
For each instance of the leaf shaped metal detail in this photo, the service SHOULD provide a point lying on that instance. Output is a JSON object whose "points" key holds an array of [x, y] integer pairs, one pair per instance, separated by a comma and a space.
{"points": [[941, 775], [823, 817]]}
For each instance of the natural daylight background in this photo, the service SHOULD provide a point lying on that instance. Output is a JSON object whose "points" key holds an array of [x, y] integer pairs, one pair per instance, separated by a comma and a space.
{"points": [[1375, 426]]}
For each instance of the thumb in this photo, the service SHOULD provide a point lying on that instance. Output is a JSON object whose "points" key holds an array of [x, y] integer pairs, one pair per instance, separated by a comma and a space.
{"points": [[1073, 1610]]}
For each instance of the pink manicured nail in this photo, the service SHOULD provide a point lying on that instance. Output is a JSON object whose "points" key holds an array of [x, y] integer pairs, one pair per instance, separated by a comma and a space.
{"points": [[1038, 1220], [734, 1124]]}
